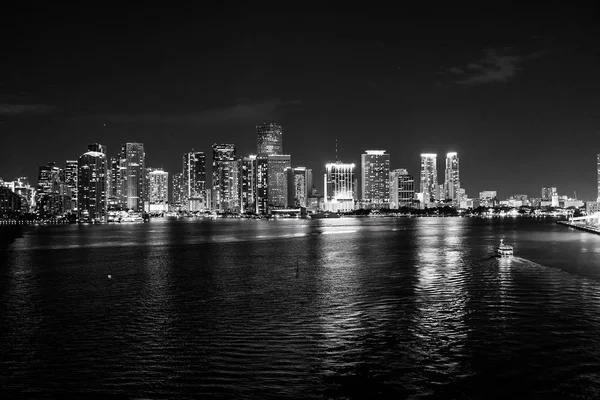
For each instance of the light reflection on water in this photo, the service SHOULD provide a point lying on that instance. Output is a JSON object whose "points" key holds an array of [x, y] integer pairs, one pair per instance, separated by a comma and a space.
{"points": [[404, 308]]}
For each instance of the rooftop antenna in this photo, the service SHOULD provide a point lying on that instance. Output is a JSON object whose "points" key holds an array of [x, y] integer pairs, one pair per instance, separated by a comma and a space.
{"points": [[336, 157]]}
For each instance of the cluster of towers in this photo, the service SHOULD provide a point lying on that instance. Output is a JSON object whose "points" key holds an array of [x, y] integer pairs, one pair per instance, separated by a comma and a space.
{"points": [[95, 185]]}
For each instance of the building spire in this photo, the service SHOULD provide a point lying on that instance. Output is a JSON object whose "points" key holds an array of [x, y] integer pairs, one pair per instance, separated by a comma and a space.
{"points": [[336, 151]]}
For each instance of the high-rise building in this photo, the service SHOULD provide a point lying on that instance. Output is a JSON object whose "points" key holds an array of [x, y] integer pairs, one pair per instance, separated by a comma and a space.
{"points": [[269, 139], [598, 176], [429, 181], [70, 178], [402, 189], [226, 178], [375, 180], [548, 193], [262, 185], [452, 182], [277, 188], [133, 175], [158, 189], [299, 185], [339, 186], [194, 177], [248, 184], [49, 176], [177, 189], [92, 181]]}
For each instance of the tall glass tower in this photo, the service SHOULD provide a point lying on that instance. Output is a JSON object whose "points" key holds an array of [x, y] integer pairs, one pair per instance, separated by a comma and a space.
{"points": [[375, 178], [269, 139], [452, 182], [429, 177], [194, 176], [92, 185], [133, 176], [225, 178]]}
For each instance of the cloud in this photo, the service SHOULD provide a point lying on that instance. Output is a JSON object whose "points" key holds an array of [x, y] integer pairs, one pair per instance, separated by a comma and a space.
{"points": [[242, 112], [8, 109], [494, 66]]}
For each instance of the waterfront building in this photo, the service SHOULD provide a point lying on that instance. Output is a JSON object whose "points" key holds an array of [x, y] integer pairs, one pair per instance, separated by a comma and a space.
{"points": [[248, 184], [406, 190], [193, 178], [488, 198], [92, 181], [177, 189], [10, 203], [70, 179], [393, 179], [375, 186], [277, 185], [262, 185], [158, 190], [548, 192], [132, 176], [339, 187], [299, 179], [269, 139], [429, 180], [226, 178], [452, 181], [48, 179]]}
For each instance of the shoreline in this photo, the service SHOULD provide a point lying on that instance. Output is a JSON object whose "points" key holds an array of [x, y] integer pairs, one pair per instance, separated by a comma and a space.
{"points": [[586, 228]]}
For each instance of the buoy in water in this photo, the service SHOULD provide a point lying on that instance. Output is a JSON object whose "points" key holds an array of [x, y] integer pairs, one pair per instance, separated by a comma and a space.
{"points": [[109, 276]]}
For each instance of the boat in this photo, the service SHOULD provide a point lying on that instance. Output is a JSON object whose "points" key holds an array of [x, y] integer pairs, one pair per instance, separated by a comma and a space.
{"points": [[504, 250]]}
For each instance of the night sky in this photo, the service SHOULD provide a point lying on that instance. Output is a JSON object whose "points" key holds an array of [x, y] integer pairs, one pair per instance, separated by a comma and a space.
{"points": [[515, 92]]}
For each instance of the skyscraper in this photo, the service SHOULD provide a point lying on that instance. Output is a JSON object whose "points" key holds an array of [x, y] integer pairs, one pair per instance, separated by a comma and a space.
{"points": [[158, 190], [394, 178], [598, 176], [339, 186], [226, 190], [48, 179], [375, 182], [299, 179], [70, 179], [194, 177], [92, 184], [133, 173], [429, 181], [269, 139], [452, 182], [248, 184], [262, 184], [177, 188], [277, 180]]}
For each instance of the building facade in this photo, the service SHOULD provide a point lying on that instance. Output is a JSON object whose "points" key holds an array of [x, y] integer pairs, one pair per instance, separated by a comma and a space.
{"points": [[194, 178], [92, 181], [277, 185], [452, 180], [429, 180], [133, 176], [269, 139], [375, 184], [225, 176], [299, 185], [158, 190], [339, 187], [248, 184]]}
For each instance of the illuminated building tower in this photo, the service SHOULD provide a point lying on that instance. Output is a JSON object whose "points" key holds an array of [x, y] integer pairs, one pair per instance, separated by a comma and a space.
{"points": [[598, 176], [429, 185], [226, 190], [269, 139], [299, 186], [406, 190], [375, 178], [277, 189], [339, 187], [177, 189], [452, 182], [394, 183], [193, 178], [92, 171], [262, 184], [133, 173], [248, 185], [548, 193], [158, 190], [70, 178], [48, 179]]}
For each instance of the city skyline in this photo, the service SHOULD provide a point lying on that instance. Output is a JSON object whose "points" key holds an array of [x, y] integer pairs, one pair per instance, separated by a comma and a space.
{"points": [[516, 99]]}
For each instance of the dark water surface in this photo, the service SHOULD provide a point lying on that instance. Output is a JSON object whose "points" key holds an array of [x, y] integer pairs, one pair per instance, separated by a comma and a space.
{"points": [[346, 308]]}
